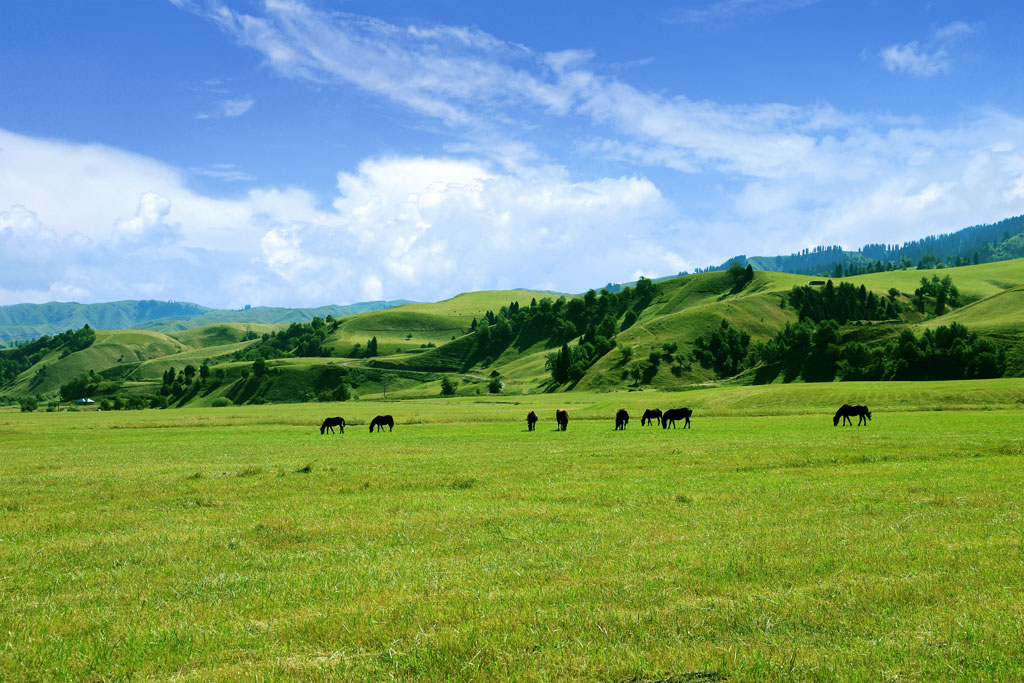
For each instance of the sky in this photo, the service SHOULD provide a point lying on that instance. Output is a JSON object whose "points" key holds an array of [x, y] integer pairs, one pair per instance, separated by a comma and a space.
{"points": [[312, 152]]}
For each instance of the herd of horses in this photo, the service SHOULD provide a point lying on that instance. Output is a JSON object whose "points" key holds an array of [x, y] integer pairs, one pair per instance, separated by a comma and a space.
{"points": [[380, 422], [650, 416]]}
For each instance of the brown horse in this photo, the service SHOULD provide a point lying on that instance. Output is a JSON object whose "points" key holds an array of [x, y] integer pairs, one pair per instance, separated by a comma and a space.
{"points": [[531, 421], [562, 418], [847, 411], [621, 419], [650, 416], [380, 421], [676, 414], [332, 422]]}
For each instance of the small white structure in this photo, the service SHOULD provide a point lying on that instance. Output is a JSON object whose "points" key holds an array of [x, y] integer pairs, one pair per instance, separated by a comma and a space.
{"points": [[84, 402]]}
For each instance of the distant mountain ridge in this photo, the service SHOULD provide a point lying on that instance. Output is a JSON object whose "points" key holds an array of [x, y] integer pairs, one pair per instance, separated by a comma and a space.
{"points": [[20, 322], [986, 243]]}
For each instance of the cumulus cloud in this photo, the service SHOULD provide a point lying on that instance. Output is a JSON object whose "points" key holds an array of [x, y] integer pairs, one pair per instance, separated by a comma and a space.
{"points": [[405, 225], [400, 227]]}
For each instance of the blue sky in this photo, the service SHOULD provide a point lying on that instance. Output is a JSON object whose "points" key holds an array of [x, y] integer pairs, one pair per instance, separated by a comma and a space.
{"points": [[305, 152]]}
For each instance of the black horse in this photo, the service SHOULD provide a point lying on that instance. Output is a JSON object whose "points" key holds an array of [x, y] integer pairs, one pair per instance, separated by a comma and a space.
{"points": [[847, 411], [332, 422], [650, 416], [562, 418], [621, 419], [380, 421], [531, 421], [674, 414]]}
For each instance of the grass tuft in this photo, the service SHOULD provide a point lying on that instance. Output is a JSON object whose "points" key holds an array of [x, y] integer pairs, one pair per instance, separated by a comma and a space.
{"points": [[305, 469], [250, 471], [462, 483], [196, 502]]}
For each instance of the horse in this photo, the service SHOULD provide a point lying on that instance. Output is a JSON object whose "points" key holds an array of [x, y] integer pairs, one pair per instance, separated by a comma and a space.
{"points": [[531, 421], [847, 411], [380, 421], [562, 418], [674, 414], [332, 422], [621, 418], [650, 416]]}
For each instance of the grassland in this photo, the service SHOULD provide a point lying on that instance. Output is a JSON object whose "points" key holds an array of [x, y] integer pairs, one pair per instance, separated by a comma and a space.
{"points": [[239, 543]]}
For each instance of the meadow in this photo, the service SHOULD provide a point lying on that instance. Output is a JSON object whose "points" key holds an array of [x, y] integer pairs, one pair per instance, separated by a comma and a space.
{"points": [[762, 544]]}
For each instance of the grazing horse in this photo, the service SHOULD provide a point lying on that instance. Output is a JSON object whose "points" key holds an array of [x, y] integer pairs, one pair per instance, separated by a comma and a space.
{"points": [[562, 418], [621, 418], [674, 414], [847, 411], [531, 421], [380, 421], [650, 416], [332, 422]]}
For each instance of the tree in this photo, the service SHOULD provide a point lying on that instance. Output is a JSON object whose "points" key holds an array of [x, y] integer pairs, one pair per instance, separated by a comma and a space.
{"points": [[495, 385], [190, 373], [627, 354], [371, 348], [259, 368], [204, 371], [448, 386], [645, 291], [80, 387], [559, 364], [28, 404]]}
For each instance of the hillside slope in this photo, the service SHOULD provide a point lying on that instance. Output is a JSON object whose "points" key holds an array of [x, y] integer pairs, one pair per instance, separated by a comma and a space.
{"points": [[30, 321], [419, 344]]}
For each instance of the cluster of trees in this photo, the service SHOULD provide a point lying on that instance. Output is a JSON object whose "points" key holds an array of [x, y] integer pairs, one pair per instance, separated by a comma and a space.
{"points": [[976, 244], [83, 386], [590, 319], [947, 352], [942, 291], [804, 349], [842, 304], [815, 352], [596, 317], [740, 276], [15, 361], [175, 384], [299, 340], [370, 351], [723, 351]]}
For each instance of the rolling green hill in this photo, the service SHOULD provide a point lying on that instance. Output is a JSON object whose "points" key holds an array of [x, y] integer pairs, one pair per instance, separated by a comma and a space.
{"points": [[30, 321], [418, 344]]}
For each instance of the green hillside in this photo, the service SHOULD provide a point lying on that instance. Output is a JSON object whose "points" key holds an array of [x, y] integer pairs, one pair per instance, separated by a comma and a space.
{"points": [[652, 343], [29, 321]]}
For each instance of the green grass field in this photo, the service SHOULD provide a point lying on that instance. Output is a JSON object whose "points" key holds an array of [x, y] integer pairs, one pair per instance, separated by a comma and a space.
{"points": [[763, 543]]}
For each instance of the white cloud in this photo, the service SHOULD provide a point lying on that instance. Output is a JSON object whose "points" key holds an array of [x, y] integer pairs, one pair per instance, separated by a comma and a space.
{"points": [[926, 60], [732, 9], [225, 172], [400, 227], [910, 58], [769, 178], [228, 109]]}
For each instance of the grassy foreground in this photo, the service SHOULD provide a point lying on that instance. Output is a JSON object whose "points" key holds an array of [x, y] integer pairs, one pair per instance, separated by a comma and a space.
{"points": [[226, 544]]}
